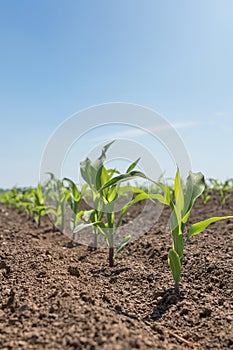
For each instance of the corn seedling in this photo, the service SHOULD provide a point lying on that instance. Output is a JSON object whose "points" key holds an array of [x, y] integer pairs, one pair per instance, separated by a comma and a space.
{"points": [[206, 195], [89, 171], [181, 203], [181, 209], [13, 198], [38, 208], [102, 218], [57, 196], [29, 200], [222, 187], [75, 199]]}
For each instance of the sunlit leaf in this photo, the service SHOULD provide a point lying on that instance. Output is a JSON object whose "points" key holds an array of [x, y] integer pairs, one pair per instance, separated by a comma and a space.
{"points": [[123, 243], [202, 225], [175, 265], [132, 166]]}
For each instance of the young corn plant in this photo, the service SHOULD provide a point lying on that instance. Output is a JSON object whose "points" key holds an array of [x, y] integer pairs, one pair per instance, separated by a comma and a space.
{"points": [[57, 196], [75, 199], [181, 209], [102, 218], [29, 200], [205, 197], [13, 198], [206, 194], [181, 203], [38, 209], [89, 171], [222, 187], [33, 203]]}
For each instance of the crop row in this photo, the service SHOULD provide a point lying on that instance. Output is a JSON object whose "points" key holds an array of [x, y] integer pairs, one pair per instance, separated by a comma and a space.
{"points": [[62, 201]]}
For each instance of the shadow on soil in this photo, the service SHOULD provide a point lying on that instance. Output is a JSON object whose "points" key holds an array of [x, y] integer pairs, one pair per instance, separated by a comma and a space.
{"points": [[167, 298]]}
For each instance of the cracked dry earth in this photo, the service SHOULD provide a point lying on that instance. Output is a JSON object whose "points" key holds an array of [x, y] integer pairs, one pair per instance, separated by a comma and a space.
{"points": [[60, 295]]}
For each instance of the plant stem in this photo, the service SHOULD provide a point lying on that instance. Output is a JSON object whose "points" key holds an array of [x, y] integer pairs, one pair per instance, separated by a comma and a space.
{"points": [[111, 256], [62, 219], [95, 244], [110, 218], [177, 287]]}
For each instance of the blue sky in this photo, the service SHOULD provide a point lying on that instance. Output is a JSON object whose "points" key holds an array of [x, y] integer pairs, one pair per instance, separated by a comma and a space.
{"points": [[58, 57]]}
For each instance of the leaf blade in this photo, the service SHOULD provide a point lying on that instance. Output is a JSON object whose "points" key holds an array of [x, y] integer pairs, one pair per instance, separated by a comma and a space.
{"points": [[123, 243], [200, 226], [175, 265]]}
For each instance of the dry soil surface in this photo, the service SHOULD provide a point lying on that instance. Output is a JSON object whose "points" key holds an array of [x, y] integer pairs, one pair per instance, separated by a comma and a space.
{"points": [[60, 295]]}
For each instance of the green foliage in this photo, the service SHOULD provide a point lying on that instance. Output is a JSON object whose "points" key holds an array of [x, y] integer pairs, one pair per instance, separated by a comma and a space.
{"points": [[75, 198], [175, 266], [57, 196], [213, 186], [28, 199], [224, 188], [38, 208], [105, 193], [181, 206], [105, 188]]}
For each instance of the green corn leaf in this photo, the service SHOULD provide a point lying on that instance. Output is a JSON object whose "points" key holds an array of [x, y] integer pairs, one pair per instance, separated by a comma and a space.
{"points": [[103, 228], [129, 189], [90, 169], [88, 172], [65, 195], [124, 177], [111, 172], [112, 194], [84, 190], [179, 196], [83, 226], [175, 222], [99, 162], [162, 199], [83, 170], [132, 166], [158, 197], [104, 176], [202, 225], [166, 198], [123, 243], [88, 214], [99, 175], [195, 185], [178, 244], [175, 265], [74, 190], [38, 196], [39, 209], [79, 215], [52, 211]]}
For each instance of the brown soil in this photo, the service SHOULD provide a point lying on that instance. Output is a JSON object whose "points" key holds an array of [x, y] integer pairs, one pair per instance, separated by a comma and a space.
{"points": [[57, 295]]}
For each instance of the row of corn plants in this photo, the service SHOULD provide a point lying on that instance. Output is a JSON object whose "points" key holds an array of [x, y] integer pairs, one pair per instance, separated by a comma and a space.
{"points": [[105, 187], [214, 186]]}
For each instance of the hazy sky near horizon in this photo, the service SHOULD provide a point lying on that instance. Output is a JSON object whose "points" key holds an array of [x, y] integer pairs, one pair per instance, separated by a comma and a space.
{"points": [[59, 57]]}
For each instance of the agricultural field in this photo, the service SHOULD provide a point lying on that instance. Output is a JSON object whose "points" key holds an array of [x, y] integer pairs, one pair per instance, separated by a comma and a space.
{"points": [[116, 186], [171, 288]]}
